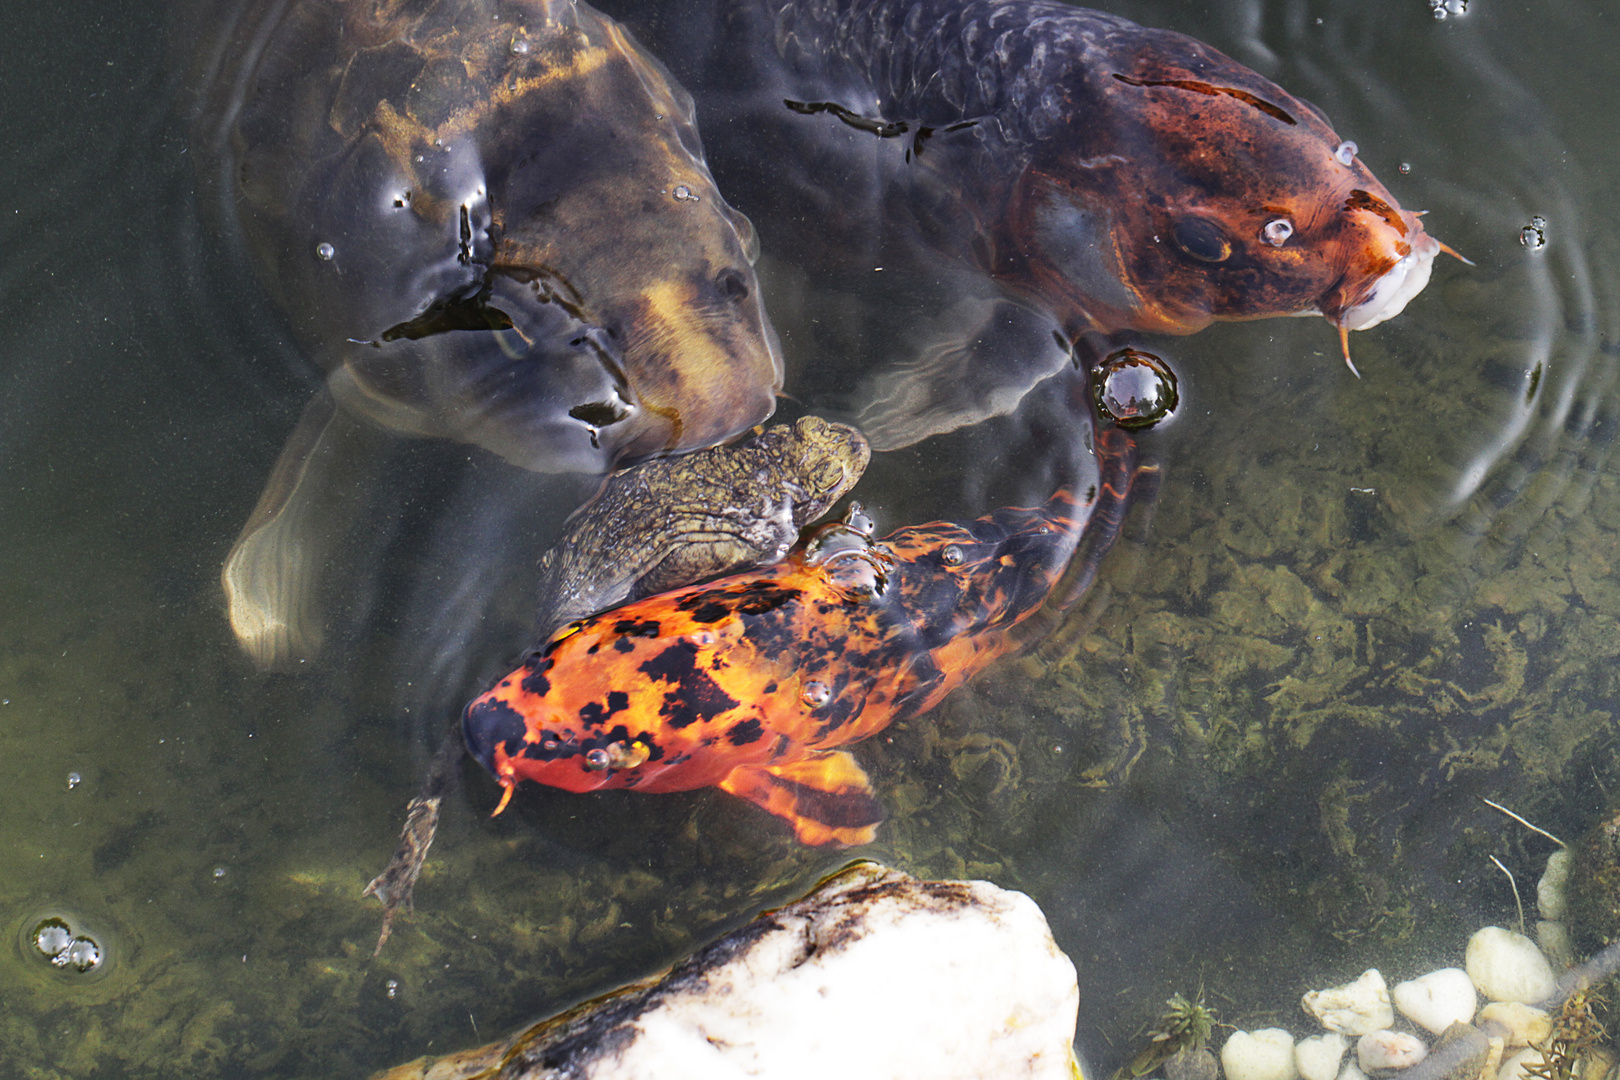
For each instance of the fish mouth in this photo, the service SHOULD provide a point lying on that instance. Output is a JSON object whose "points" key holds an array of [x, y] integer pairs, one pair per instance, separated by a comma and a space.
{"points": [[1395, 288]]}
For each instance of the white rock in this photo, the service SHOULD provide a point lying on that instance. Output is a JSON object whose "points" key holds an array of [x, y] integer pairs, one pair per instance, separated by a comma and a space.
{"points": [[1513, 1067], [1389, 1050], [1550, 889], [1596, 1064], [876, 974], [1354, 1008], [1508, 966], [1434, 1001], [1553, 937], [1517, 1023], [1493, 1058], [1267, 1054], [1318, 1058]]}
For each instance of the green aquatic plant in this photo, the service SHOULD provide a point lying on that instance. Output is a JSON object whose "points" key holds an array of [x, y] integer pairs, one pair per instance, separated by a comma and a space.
{"points": [[1575, 1031], [1184, 1025]]}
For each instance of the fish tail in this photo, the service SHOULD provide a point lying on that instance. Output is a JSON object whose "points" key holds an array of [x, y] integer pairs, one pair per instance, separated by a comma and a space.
{"points": [[1120, 477]]}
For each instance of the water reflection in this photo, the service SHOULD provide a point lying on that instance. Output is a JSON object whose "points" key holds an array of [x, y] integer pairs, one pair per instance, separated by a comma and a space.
{"points": [[1354, 607]]}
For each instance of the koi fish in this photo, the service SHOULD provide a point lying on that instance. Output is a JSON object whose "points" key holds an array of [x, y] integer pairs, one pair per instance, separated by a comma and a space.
{"points": [[1048, 167], [754, 683], [490, 221]]}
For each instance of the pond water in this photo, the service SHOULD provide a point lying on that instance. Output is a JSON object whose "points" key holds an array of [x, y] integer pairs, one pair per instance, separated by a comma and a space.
{"points": [[1251, 762]]}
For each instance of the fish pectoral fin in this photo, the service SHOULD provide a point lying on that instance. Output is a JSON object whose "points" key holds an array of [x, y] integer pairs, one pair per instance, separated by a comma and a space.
{"points": [[276, 573], [826, 798], [976, 360]]}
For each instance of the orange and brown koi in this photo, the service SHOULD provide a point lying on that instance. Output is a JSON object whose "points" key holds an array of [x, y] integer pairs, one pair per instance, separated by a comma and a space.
{"points": [[751, 683]]}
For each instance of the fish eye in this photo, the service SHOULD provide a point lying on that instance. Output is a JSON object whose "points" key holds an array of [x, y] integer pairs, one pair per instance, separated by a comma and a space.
{"points": [[1202, 239], [1277, 231], [731, 285]]}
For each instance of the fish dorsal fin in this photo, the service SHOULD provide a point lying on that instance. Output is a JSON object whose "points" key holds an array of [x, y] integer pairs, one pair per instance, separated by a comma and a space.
{"points": [[826, 797]]}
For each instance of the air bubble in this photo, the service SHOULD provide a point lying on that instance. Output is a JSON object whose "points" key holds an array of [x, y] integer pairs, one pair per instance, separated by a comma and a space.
{"points": [[683, 193], [1534, 235], [325, 252], [1443, 8], [816, 694], [627, 755], [74, 780], [1135, 389], [219, 872], [1406, 167], [391, 988], [59, 944], [82, 955], [703, 639], [1277, 231], [596, 760], [52, 937], [1345, 153], [952, 555], [520, 46]]}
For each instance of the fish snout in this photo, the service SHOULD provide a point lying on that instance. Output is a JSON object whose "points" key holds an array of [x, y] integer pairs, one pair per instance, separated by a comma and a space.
{"points": [[703, 358], [1392, 267]]}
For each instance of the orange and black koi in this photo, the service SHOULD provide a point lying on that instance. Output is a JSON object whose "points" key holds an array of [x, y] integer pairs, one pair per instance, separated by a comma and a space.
{"points": [[751, 683]]}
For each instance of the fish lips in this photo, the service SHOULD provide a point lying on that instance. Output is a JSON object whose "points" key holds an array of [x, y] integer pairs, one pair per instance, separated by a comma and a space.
{"points": [[1367, 299]]}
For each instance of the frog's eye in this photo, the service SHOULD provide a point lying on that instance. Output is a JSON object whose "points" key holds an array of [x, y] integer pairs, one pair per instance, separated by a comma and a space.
{"points": [[1277, 231], [1202, 239]]}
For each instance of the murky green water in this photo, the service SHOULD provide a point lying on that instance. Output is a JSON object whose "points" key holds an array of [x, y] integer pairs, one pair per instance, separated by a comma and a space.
{"points": [[1253, 761]]}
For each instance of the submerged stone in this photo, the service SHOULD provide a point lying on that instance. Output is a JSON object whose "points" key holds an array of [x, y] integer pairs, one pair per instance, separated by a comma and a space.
{"points": [[875, 973], [1354, 1008]]}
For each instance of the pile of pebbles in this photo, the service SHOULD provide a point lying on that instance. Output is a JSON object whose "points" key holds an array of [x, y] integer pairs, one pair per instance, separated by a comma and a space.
{"points": [[1509, 971]]}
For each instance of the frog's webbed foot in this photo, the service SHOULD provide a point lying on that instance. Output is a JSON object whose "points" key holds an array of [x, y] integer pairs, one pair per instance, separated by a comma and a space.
{"points": [[396, 883], [274, 573], [980, 361]]}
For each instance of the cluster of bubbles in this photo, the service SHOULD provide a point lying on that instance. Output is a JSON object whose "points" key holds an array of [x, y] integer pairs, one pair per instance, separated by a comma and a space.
{"points": [[1444, 8], [55, 940], [1133, 388]]}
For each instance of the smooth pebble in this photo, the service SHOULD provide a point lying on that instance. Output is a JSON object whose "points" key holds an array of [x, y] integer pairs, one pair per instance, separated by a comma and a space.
{"points": [[1267, 1054], [1553, 937], [1508, 967], [1513, 1068], [1550, 889], [1518, 1024], [1389, 1050], [1318, 1058], [1434, 1001]]}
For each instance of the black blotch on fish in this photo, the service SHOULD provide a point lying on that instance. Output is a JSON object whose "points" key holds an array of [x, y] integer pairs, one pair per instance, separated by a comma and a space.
{"points": [[536, 682], [488, 724], [595, 713], [710, 612], [745, 732], [762, 597], [693, 695]]}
